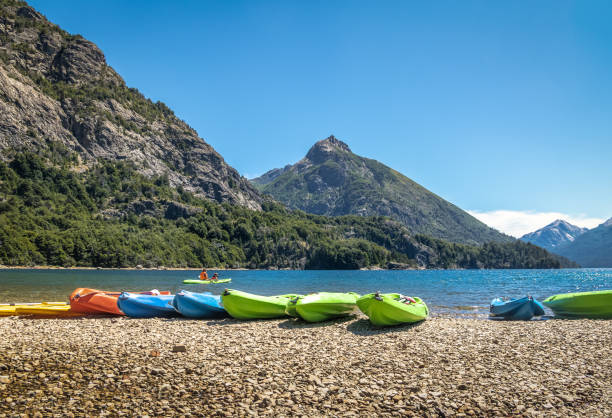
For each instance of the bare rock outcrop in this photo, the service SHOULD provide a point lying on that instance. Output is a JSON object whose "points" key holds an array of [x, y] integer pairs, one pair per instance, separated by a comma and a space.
{"points": [[57, 88]]}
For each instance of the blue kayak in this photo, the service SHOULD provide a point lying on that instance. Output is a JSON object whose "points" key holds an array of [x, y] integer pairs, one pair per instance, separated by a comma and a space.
{"points": [[198, 305], [146, 306], [516, 309]]}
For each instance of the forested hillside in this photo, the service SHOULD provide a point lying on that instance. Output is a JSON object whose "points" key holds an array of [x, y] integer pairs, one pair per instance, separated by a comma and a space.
{"points": [[54, 213], [332, 180]]}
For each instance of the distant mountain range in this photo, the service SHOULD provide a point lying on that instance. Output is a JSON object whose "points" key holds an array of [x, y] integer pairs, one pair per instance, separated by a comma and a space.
{"points": [[332, 180], [553, 235], [589, 248], [592, 248]]}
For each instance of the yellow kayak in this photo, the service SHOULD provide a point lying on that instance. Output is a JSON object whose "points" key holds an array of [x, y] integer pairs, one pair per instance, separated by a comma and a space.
{"points": [[44, 308], [7, 310]]}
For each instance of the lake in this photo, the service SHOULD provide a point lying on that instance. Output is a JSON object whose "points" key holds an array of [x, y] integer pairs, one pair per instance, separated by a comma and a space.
{"points": [[454, 292]]}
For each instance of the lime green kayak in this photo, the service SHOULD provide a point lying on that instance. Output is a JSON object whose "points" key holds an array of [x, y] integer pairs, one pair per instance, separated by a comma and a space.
{"points": [[597, 304], [198, 281], [291, 308], [243, 305], [388, 309], [323, 306]]}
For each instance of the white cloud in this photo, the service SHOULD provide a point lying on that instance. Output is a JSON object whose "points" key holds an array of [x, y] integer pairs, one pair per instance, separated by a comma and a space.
{"points": [[518, 223]]}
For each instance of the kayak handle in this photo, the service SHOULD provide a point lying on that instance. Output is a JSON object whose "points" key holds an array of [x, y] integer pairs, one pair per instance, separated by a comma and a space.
{"points": [[377, 296]]}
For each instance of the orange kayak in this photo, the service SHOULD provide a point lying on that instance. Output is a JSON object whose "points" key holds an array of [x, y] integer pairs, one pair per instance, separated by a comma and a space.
{"points": [[92, 301]]}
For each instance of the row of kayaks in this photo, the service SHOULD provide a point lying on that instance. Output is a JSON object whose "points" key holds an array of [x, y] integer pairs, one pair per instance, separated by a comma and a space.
{"points": [[383, 309], [595, 305]]}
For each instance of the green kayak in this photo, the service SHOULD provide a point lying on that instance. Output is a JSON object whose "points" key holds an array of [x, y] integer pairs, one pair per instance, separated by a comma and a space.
{"points": [[597, 304], [388, 309], [198, 281], [322, 306], [243, 305]]}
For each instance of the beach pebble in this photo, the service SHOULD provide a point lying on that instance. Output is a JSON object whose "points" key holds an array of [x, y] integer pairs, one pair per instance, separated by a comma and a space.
{"points": [[457, 367]]}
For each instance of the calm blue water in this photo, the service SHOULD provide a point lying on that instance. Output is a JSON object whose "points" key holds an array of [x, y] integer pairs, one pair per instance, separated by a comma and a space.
{"points": [[457, 292]]}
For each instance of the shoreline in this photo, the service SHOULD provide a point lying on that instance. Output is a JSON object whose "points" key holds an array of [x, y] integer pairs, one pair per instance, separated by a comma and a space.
{"points": [[4, 267], [442, 366], [163, 268]]}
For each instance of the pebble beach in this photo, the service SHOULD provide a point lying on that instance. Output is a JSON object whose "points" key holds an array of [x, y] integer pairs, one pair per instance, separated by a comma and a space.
{"points": [[179, 367]]}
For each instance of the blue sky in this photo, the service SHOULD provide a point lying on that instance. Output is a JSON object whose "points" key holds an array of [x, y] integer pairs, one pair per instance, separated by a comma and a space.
{"points": [[503, 108]]}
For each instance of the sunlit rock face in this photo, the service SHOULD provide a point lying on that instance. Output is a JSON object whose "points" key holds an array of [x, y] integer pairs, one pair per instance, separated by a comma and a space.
{"points": [[57, 88]]}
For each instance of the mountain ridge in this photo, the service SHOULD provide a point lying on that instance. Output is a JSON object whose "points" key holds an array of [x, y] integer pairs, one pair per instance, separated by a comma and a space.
{"points": [[554, 234], [331, 180], [593, 248], [58, 88]]}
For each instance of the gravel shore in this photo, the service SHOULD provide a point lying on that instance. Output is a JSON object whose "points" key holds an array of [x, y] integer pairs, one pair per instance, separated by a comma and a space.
{"points": [[443, 366]]}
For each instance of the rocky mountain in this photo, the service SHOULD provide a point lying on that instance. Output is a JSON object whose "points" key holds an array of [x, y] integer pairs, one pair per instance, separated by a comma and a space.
{"points": [[94, 174], [591, 249], [269, 176], [553, 235], [332, 180], [56, 88]]}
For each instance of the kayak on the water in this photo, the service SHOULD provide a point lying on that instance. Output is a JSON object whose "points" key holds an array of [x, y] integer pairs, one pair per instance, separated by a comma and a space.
{"points": [[203, 278], [198, 281]]}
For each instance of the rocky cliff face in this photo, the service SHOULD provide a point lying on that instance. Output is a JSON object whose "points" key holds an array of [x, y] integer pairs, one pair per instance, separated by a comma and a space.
{"points": [[553, 235], [57, 88], [332, 180]]}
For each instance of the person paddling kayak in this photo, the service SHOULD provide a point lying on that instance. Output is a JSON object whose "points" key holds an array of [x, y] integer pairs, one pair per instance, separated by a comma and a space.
{"points": [[203, 274], [215, 277]]}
